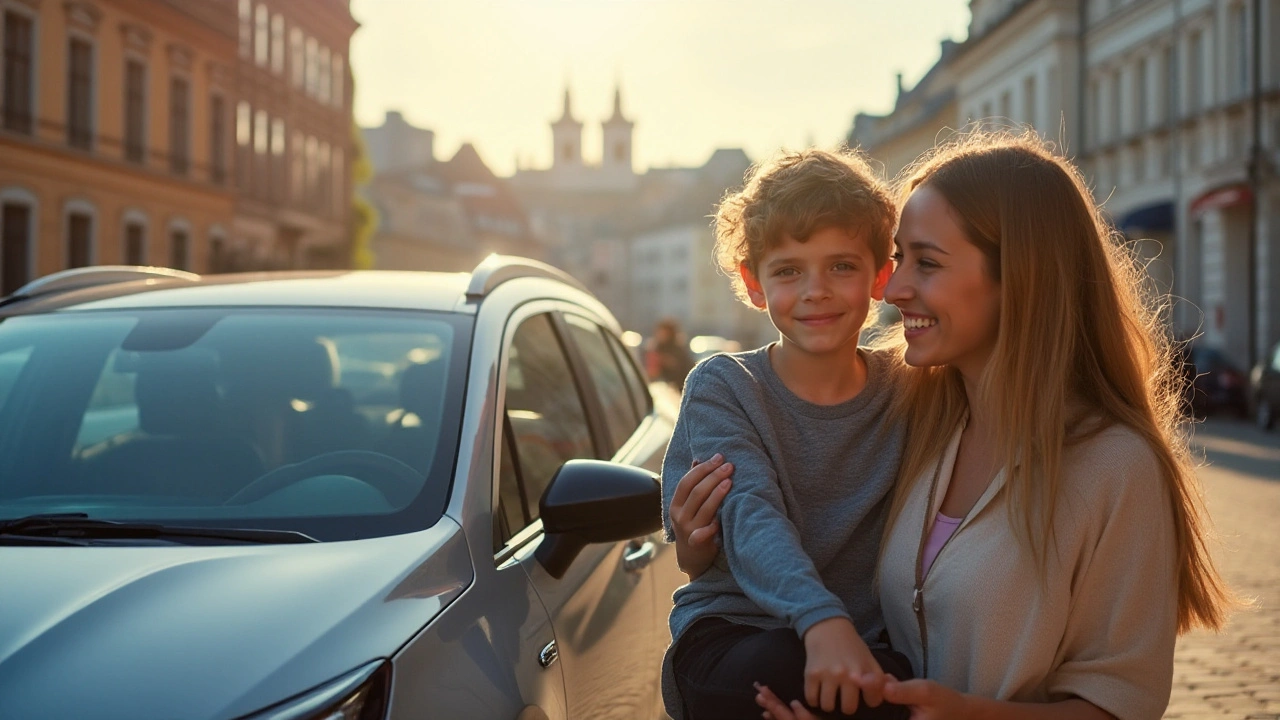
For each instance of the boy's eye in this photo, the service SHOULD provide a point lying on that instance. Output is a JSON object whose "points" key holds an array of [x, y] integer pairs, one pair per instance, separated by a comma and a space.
{"points": [[786, 271], [843, 267]]}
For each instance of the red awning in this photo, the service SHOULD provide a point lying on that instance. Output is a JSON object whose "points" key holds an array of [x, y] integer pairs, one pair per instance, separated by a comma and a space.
{"points": [[1222, 198]]}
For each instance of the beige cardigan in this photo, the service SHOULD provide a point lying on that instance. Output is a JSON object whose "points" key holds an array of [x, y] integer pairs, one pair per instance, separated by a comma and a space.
{"points": [[1103, 626]]}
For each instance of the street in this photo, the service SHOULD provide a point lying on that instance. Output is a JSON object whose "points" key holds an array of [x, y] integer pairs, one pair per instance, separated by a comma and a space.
{"points": [[1237, 674]]}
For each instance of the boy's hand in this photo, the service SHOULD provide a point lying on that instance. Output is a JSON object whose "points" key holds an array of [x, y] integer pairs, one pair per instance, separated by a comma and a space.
{"points": [[693, 514], [839, 663]]}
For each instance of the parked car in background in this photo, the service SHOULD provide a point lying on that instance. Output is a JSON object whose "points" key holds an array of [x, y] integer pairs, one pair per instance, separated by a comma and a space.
{"points": [[1219, 386], [300, 496], [1264, 387]]}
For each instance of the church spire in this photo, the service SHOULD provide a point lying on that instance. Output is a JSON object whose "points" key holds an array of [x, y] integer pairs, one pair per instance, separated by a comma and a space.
{"points": [[567, 115], [617, 106]]}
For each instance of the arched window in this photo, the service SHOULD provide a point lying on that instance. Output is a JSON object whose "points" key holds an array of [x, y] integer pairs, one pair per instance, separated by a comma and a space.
{"points": [[179, 244], [80, 233], [133, 237], [18, 209], [218, 250]]}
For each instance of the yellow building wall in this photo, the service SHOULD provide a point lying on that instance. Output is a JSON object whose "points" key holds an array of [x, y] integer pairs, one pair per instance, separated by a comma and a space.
{"points": [[45, 166]]}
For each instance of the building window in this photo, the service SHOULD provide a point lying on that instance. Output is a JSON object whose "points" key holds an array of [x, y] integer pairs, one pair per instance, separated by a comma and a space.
{"points": [[79, 239], [324, 82], [246, 29], [260, 136], [339, 84], [277, 44], [296, 166], [135, 111], [323, 192], [217, 140], [179, 248], [1239, 24], [179, 126], [312, 169], [1115, 131], [313, 51], [339, 182], [80, 94], [1006, 105], [15, 245], [1029, 100], [17, 72], [1169, 69], [244, 137], [297, 61], [262, 37], [1195, 75], [1141, 120], [278, 168], [135, 243]]}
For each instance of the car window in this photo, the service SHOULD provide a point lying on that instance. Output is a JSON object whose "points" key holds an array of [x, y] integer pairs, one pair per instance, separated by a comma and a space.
{"points": [[511, 515], [12, 363], [619, 409], [631, 372], [170, 414], [1275, 359], [544, 410]]}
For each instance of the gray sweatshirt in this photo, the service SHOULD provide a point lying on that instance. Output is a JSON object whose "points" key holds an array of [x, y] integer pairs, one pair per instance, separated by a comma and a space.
{"points": [[801, 527]]}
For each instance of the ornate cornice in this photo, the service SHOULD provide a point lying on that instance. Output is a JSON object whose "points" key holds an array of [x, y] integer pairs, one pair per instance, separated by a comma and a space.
{"points": [[83, 15]]}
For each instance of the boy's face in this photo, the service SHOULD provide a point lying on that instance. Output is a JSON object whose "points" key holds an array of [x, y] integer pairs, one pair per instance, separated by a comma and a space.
{"points": [[818, 292]]}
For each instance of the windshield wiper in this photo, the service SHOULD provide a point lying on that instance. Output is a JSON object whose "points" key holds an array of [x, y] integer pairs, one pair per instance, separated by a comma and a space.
{"points": [[79, 526]]}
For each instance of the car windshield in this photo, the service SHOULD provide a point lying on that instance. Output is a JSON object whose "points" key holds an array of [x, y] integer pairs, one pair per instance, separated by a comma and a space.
{"points": [[338, 424]]}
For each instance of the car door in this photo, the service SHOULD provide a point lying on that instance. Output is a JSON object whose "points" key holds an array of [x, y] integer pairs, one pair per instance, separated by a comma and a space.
{"points": [[639, 435], [601, 609]]}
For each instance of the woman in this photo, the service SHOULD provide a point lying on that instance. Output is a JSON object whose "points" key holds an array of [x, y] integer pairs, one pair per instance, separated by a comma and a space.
{"points": [[1046, 542]]}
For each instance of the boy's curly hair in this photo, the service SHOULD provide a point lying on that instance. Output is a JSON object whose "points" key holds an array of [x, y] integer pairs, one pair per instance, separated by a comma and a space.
{"points": [[795, 194]]}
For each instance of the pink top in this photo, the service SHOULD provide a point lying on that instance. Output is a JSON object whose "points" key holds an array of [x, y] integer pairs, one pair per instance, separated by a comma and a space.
{"points": [[943, 528]]}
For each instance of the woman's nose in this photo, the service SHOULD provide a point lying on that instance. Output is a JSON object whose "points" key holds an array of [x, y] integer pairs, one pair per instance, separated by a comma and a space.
{"points": [[898, 289]]}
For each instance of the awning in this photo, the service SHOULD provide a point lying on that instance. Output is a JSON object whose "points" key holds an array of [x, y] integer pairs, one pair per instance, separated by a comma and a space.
{"points": [[1222, 198], [1157, 217]]}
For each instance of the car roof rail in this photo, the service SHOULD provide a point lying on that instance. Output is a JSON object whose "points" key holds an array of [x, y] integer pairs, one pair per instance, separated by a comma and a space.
{"points": [[95, 275], [497, 269]]}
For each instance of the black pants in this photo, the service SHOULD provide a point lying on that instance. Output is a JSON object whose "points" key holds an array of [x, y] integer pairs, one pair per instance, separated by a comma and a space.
{"points": [[716, 662]]}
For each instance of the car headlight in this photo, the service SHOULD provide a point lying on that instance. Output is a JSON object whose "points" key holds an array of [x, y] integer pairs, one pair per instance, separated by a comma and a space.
{"points": [[359, 695]]}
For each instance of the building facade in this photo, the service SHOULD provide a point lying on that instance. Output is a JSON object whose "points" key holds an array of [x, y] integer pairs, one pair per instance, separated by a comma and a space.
{"points": [[294, 134], [1172, 110], [115, 134]]}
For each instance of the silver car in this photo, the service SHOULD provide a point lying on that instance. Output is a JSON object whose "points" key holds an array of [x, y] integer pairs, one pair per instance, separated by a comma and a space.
{"points": [[327, 496]]}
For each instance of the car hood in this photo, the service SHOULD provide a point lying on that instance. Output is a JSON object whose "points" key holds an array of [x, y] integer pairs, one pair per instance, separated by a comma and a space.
{"points": [[210, 632]]}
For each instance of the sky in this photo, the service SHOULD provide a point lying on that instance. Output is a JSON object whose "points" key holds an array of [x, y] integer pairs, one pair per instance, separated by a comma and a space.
{"points": [[695, 75]]}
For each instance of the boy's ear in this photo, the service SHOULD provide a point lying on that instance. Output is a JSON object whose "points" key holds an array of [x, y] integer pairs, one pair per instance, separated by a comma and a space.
{"points": [[882, 281], [754, 291]]}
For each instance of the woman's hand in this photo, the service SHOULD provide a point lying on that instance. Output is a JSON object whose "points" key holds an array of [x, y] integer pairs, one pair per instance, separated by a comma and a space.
{"points": [[693, 514]]}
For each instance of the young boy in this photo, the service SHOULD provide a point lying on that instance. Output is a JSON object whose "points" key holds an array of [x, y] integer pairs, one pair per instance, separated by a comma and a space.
{"points": [[790, 601]]}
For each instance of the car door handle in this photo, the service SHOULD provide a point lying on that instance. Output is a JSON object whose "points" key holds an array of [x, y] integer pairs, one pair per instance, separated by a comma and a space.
{"points": [[637, 557]]}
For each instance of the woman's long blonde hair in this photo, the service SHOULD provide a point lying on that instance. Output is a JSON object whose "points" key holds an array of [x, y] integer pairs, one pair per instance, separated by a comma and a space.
{"points": [[1080, 328]]}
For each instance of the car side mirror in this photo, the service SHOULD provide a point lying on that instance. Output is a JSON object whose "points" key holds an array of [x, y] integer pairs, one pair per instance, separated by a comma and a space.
{"points": [[593, 501]]}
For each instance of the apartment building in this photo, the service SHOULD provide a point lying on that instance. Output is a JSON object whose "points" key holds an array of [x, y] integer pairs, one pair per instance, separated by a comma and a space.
{"points": [[115, 134], [1172, 109], [293, 134]]}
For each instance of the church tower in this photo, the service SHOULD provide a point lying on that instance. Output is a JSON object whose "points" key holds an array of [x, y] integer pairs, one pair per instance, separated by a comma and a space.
{"points": [[615, 155], [566, 134]]}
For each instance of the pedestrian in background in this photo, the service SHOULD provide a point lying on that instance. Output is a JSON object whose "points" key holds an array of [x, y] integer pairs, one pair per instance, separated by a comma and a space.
{"points": [[666, 355]]}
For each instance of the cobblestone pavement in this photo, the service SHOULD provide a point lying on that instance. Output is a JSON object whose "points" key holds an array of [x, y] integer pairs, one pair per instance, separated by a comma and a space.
{"points": [[1237, 674]]}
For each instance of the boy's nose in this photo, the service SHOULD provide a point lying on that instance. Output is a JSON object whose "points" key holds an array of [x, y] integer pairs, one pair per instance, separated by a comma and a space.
{"points": [[817, 288]]}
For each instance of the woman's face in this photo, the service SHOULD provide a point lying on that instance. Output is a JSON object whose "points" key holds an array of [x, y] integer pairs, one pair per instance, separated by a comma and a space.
{"points": [[950, 304]]}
